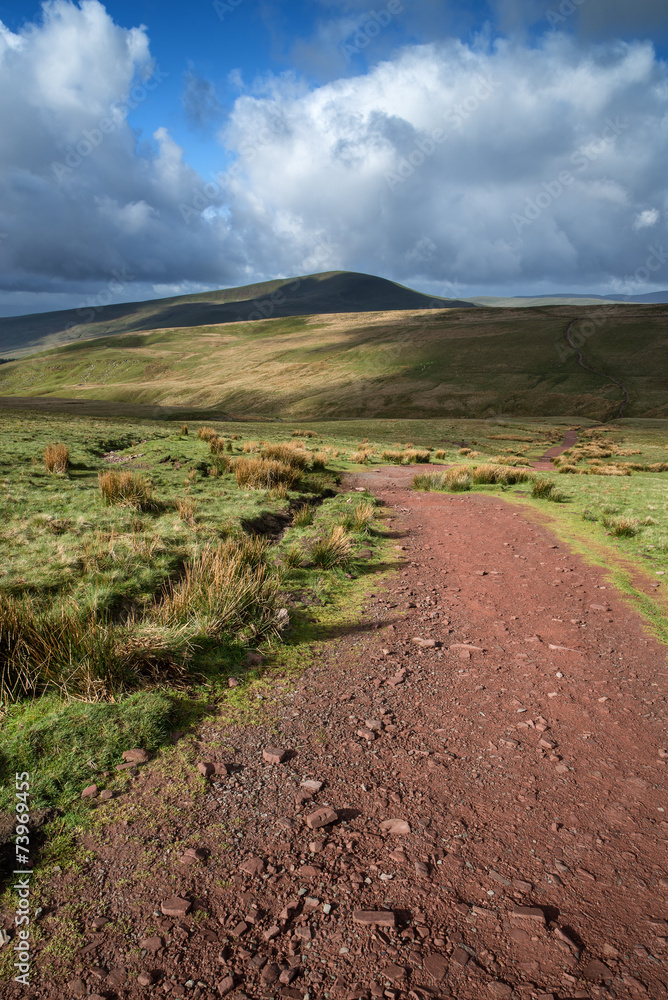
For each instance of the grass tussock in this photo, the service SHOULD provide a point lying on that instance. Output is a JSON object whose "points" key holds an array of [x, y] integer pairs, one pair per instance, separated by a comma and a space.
{"points": [[187, 508], [264, 473], [360, 457], [184, 431], [440, 454], [622, 527], [331, 550], [288, 454], [57, 458], [416, 456], [491, 474], [207, 433], [303, 516], [360, 518], [304, 434], [319, 461], [125, 489], [460, 479]]}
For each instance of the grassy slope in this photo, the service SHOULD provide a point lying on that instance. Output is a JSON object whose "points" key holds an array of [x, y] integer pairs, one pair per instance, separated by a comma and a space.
{"points": [[331, 291], [445, 363]]}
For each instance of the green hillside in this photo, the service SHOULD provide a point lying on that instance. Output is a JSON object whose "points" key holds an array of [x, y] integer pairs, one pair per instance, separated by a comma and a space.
{"points": [[330, 292], [445, 363]]}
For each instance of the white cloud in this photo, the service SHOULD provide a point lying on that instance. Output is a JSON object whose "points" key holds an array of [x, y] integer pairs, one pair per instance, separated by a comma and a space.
{"points": [[649, 217], [417, 169]]}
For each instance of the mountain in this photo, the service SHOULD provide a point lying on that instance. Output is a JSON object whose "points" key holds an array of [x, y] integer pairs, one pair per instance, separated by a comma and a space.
{"points": [[313, 294]]}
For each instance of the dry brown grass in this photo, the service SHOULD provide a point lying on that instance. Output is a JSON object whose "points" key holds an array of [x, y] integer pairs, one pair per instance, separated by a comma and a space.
{"points": [[264, 473], [288, 454], [331, 550], [187, 508], [57, 458], [125, 489], [305, 434], [207, 433]]}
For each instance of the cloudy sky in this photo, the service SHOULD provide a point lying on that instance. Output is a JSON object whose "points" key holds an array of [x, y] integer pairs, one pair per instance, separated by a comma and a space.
{"points": [[154, 147]]}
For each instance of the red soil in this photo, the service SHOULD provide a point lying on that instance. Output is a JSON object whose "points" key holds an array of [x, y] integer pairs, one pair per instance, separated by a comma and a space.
{"points": [[523, 753]]}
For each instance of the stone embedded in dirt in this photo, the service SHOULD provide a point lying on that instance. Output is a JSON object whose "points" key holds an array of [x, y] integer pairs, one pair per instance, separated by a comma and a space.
{"points": [[96, 996], [152, 944], [290, 908], [366, 734], [117, 976], [274, 755], [399, 856], [146, 978], [175, 906], [270, 974], [193, 854], [271, 932], [597, 972], [136, 756], [287, 976], [232, 682], [499, 989], [208, 768], [599, 607], [77, 987], [395, 973], [395, 827], [239, 929], [225, 986], [375, 725], [321, 817], [421, 869], [99, 922], [312, 786], [533, 913], [129, 766], [90, 792], [106, 795], [309, 871], [436, 966], [425, 643], [460, 957], [396, 680], [255, 659], [252, 866], [375, 918]]}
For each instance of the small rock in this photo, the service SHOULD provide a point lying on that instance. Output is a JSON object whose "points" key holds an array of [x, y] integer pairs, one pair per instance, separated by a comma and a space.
{"points": [[597, 972], [232, 682], [225, 986], [97, 923], [239, 929], [399, 856], [209, 768], [533, 913], [255, 659], [136, 756], [153, 944], [175, 906], [309, 871], [460, 957], [270, 974], [321, 817], [77, 987], [312, 786], [193, 854], [395, 827], [271, 932], [425, 643], [90, 792], [252, 866], [499, 989], [274, 755], [374, 918], [366, 734], [146, 978]]}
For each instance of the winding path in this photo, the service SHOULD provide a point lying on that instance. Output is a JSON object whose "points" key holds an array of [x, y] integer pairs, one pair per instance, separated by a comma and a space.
{"points": [[626, 399]]}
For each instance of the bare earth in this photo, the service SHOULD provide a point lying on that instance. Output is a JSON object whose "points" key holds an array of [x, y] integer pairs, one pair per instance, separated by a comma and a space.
{"points": [[499, 799]]}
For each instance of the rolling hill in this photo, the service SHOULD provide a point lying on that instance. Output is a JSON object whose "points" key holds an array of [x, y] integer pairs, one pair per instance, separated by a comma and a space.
{"points": [[313, 294], [397, 363]]}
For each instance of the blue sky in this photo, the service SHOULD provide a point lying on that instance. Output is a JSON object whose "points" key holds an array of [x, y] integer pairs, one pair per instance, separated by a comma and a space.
{"points": [[509, 147]]}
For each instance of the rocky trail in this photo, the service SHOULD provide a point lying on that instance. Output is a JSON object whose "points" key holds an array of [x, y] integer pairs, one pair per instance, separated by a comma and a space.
{"points": [[463, 797]]}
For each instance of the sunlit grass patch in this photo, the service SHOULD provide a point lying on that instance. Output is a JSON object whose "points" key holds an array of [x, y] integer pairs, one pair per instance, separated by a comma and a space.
{"points": [[125, 489], [57, 458]]}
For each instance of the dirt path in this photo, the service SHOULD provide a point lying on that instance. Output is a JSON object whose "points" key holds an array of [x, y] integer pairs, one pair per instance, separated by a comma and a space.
{"points": [[498, 790], [544, 463], [626, 399]]}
